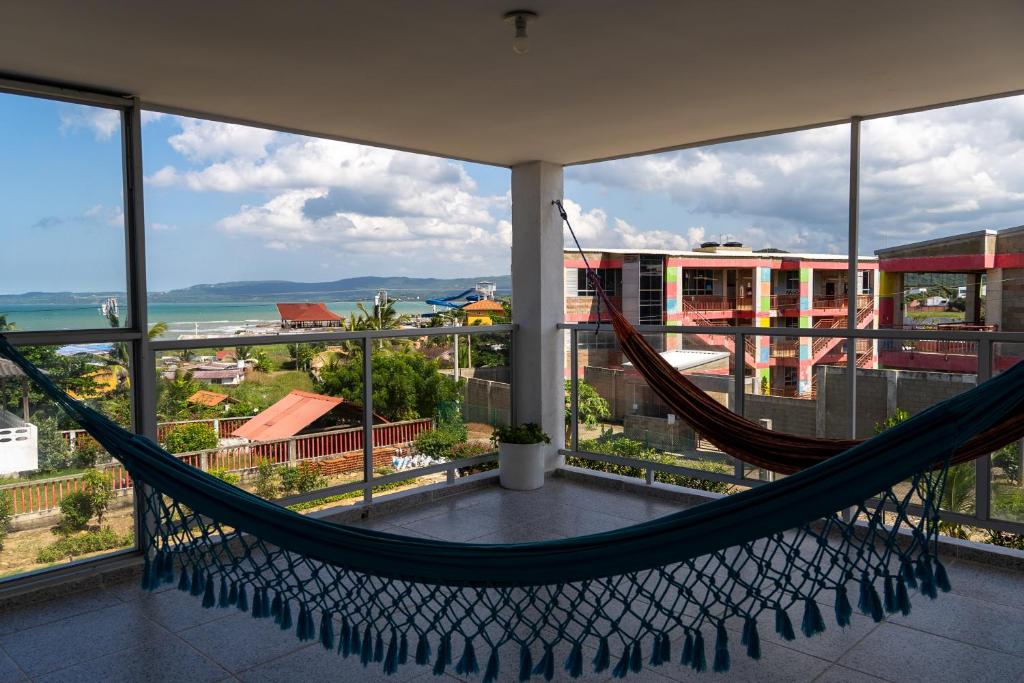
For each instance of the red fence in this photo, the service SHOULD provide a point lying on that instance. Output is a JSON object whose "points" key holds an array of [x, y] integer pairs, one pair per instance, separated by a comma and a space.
{"points": [[40, 495]]}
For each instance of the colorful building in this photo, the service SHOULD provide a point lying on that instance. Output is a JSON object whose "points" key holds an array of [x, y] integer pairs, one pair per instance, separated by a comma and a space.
{"points": [[727, 286], [483, 312]]}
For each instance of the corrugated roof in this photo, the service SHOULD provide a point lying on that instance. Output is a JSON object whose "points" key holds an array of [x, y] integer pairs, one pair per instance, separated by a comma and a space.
{"points": [[9, 370], [306, 312], [287, 417], [484, 305], [207, 398]]}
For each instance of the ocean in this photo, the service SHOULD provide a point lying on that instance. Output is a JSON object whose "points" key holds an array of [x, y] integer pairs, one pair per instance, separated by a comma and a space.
{"points": [[206, 318]]}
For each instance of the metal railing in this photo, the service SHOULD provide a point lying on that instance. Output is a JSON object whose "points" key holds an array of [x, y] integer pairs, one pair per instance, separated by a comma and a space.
{"points": [[980, 341]]}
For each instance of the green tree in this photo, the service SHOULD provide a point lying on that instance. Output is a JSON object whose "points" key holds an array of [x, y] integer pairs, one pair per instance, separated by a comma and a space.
{"points": [[302, 478], [75, 513], [173, 394], [54, 450], [97, 487], [301, 355], [263, 362], [6, 512], [591, 407], [268, 482], [406, 385], [442, 442], [193, 436]]}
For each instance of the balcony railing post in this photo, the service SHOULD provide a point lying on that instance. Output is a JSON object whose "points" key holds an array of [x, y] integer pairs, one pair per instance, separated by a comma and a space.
{"points": [[367, 419], [574, 387], [983, 465], [739, 381]]}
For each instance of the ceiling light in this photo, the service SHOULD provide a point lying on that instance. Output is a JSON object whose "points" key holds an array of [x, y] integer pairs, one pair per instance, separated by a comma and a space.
{"points": [[519, 18]]}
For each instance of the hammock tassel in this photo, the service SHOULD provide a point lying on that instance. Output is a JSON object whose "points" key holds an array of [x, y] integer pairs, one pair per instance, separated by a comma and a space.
{"points": [[721, 663], [751, 638], [366, 651], [183, 582], [344, 638], [843, 608], [942, 577], [242, 602], [902, 597], [812, 623], [275, 608], [889, 596], [525, 663], [167, 570], [687, 657], [209, 597], [147, 575], [265, 602], [422, 650], [327, 631], [467, 663], [574, 662], [444, 656], [699, 661], [286, 616], [636, 661], [257, 604], [869, 602], [622, 668], [655, 659], [926, 577], [666, 648], [305, 629], [907, 570], [602, 659], [783, 625], [198, 585], [233, 594], [378, 648], [403, 650], [491, 671], [391, 658], [546, 666], [225, 595], [355, 645]]}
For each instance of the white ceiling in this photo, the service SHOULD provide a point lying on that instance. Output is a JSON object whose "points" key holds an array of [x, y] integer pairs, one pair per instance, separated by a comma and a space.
{"points": [[603, 78]]}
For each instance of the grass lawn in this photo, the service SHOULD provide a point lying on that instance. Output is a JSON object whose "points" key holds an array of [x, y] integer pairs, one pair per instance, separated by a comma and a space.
{"points": [[265, 389]]}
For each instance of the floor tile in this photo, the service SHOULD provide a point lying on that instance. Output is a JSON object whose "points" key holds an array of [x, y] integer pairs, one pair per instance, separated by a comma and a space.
{"points": [[9, 671], [991, 584], [28, 616], [907, 655], [80, 638], [776, 664], [454, 525], [240, 642], [176, 610], [164, 659], [840, 674], [312, 664], [968, 620]]}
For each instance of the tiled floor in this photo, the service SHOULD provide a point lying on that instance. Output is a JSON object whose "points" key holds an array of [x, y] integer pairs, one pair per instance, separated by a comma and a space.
{"points": [[119, 633]]}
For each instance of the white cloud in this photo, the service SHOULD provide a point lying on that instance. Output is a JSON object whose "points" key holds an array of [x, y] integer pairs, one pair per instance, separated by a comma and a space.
{"points": [[102, 122], [208, 140], [922, 175], [151, 116]]}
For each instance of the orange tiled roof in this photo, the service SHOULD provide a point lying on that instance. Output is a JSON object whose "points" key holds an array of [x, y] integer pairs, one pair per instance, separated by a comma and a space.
{"points": [[206, 398], [288, 417], [484, 305], [306, 313]]}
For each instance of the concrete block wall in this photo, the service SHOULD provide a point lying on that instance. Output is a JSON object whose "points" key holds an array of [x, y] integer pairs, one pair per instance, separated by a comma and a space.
{"points": [[487, 402]]}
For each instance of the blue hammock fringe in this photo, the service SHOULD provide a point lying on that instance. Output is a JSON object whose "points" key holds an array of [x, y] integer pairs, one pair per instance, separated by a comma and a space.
{"points": [[629, 593]]}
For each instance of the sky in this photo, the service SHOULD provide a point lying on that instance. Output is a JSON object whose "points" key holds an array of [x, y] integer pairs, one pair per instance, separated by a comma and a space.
{"points": [[227, 202]]}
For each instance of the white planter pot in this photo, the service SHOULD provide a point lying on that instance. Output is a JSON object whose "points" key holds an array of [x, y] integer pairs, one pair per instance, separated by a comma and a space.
{"points": [[521, 466]]}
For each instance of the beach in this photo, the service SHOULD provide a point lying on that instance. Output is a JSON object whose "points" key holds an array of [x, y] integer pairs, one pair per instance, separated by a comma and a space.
{"points": [[205, 319]]}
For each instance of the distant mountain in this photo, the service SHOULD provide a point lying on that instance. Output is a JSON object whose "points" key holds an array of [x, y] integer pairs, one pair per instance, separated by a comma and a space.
{"points": [[348, 289]]}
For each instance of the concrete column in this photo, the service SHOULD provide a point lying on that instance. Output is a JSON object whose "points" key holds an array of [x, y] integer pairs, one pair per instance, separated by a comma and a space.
{"points": [[890, 300], [537, 286], [972, 310], [994, 297]]}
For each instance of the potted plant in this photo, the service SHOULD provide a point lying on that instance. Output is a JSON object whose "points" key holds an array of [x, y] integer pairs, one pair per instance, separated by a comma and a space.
{"points": [[520, 456]]}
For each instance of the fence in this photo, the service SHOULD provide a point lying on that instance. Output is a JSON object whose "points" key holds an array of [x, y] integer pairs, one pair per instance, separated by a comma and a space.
{"points": [[41, 495], [224, 427]]}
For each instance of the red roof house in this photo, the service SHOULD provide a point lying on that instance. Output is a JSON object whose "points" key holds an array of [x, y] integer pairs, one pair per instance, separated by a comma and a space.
{"points": [[308, 315], [288, 417]]}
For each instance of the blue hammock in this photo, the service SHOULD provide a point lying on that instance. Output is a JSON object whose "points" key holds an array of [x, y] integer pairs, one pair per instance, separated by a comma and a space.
{"points": [[629, 594]]}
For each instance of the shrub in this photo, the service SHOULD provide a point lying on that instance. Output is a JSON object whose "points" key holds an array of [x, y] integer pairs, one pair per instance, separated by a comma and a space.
{"points": [[267, 481], [302, 478], [470, 449], [192, 436], [54, 450], [1005, 539], [226, 475], [87, 452], [99, 490], [631, 448], [438, 443], [6, 512], [1009, 502], [75, 512], [83, 544], [527, 433], [1007, 459]]}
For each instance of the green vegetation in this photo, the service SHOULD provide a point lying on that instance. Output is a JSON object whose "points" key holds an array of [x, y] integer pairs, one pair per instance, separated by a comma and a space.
{"points": [[1005, 539], [631, 448], [79, 507], [226, 475], [6, 512], [326, 500], [54, 449], [306, 476], [591, 407], [97, 487], [83, 544], [87, 452], [406, 385], [526, 433], [193, 436], [267, 481], [439, 443]]}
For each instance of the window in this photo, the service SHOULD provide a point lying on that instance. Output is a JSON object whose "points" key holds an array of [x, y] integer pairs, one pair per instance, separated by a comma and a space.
{"points": [[652, 293], [698, 281], [610, 279]]}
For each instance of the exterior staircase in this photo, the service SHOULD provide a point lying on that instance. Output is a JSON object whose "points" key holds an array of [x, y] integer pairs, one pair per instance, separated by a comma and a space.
{"points": [[691, 316]]}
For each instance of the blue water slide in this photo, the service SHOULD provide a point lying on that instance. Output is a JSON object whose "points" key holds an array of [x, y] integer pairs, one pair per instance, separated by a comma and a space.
{"points": [[449, 301]]}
